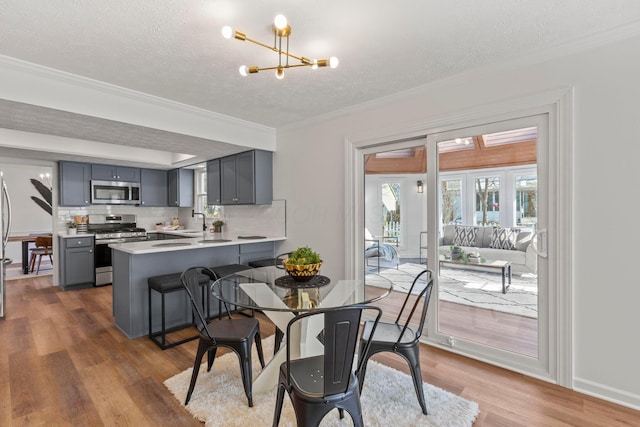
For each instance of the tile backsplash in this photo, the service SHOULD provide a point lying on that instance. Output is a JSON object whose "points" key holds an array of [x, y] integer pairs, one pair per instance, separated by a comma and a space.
{"points": [[269, 220]]}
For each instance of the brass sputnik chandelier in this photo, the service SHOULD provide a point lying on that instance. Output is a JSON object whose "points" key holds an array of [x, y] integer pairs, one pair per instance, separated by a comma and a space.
{"points": [[281, 29]]}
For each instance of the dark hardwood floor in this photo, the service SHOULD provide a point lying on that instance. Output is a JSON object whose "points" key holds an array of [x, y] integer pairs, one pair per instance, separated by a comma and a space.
{"points": [[63, 362]]}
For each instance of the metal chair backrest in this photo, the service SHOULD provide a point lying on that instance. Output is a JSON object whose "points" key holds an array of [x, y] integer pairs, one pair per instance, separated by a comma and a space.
{"points": [[340, 336], [423, 298], [280, 258], [192, 279]]}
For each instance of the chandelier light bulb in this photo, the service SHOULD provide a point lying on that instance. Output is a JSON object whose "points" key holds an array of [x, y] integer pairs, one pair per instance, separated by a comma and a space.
{"points": [[314, 65], [280, 22], [333, 62], [279, 73], [227, 32], [243, 71]]}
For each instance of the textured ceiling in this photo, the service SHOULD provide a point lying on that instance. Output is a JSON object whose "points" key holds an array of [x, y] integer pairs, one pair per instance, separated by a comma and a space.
{"points": [[173, 48]]}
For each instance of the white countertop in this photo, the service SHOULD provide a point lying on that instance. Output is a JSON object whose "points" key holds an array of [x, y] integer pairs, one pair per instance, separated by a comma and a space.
{"points": [[199, 240], [66, 235]]}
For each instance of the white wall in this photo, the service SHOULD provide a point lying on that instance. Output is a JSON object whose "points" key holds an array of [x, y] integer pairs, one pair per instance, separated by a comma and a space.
{"points": [[27, 217], [310, 174]]}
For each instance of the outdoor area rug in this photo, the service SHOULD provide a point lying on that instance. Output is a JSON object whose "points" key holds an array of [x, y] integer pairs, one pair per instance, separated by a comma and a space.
{"points": [[388, 399], [474, 288]]}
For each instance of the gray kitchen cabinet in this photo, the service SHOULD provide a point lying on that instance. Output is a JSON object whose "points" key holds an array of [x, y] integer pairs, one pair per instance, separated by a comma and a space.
{"points": [[180, 190], [247, 178], [115, 173], [77, 264], [75, 184], [213, 182], [153, 187]]}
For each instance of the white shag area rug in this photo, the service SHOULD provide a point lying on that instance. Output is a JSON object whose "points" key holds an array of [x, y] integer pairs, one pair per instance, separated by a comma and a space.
{"points": [[388, 399], [475, 288]]}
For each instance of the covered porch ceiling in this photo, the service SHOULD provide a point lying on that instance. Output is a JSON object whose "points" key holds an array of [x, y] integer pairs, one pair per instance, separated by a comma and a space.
{"points": [[509, 148]]}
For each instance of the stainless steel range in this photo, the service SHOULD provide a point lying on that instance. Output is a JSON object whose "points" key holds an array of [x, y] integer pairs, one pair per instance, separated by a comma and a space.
{"points": [[111, 229]]}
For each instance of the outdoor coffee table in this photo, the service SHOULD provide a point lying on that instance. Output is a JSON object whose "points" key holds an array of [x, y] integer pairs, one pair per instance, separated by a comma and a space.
{"points": [[503, 266]]}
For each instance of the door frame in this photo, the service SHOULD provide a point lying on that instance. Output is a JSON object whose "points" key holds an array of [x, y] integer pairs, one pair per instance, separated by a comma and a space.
{"points": [[556, 242]]}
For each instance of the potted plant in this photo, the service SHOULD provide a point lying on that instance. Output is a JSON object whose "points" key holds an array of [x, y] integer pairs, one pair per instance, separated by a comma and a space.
{"points": [[217, 226], [72, 228], [456, 252], [303, 264]]}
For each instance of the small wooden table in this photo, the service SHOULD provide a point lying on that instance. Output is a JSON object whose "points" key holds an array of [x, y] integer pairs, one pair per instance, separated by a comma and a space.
{"points": [[504, 266], [31, 238]]}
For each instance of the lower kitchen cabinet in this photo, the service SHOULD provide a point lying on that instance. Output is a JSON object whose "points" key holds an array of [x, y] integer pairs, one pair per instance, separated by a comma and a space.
{"points": [[77, 261]]}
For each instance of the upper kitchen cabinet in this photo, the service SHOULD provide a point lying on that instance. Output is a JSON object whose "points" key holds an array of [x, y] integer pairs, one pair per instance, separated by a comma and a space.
{"points": [[75, 184], [247, 178], [180, 187], [213, 182], [153, 187], [115, 173]]}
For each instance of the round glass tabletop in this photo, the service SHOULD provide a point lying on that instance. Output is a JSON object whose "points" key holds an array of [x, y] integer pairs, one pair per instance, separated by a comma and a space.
{"points": [[271, 288]]}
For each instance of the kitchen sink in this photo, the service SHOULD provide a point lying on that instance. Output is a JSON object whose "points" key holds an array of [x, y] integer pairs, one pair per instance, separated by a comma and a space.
{"points": [[214, 241], [170, 244]]}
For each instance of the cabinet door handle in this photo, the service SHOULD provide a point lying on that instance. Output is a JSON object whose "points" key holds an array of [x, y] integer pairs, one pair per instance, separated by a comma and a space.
{"points": [[79, 242], [90, 251]]}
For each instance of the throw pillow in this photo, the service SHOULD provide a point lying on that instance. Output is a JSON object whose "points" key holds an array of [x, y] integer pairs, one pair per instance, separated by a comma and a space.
{"points": [[465, 235], [504, 238]]}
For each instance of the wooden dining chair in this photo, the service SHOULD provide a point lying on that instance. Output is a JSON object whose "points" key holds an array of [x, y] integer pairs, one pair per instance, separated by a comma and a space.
{"points": [[44, 247]]}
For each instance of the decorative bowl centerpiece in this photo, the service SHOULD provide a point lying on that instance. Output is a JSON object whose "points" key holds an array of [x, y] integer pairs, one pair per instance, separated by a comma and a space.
{"points": [[303, 264]]}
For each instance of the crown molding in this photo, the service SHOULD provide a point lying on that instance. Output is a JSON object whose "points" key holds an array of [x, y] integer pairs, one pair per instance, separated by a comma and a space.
{"points": [[53, 74]]}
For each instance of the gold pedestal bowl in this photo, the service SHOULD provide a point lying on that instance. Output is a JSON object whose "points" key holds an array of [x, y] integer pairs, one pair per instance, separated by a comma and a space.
{"points": [[302, 273]]}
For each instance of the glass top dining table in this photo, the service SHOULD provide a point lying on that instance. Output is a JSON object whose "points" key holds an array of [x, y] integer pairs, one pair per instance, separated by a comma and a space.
{"points": [[272, 289]]}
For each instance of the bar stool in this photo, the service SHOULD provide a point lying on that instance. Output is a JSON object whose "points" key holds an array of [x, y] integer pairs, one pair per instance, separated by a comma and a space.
{"points": [[165, 284]]}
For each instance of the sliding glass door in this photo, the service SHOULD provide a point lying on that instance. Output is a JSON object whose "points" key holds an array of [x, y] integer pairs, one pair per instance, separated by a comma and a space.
{"points": [[492, 295]]}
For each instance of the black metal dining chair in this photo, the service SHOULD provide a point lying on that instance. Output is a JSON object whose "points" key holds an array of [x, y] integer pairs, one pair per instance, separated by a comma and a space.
{"points": [[234, 333], [399, 337], [318, 384]]}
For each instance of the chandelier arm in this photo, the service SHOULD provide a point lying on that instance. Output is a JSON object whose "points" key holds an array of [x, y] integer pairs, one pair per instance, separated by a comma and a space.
{"points": [[273, 48], [284, 67]]}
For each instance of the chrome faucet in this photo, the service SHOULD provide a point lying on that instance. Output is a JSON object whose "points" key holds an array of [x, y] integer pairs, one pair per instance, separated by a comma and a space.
{"points": [[204, 224]]}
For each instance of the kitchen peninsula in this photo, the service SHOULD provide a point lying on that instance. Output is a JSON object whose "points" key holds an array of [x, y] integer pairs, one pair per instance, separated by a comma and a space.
{"points": [[134, 262]]}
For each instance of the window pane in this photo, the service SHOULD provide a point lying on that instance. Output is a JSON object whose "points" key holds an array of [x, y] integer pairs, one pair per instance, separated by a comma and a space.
{"points": [[391, 210], [487, 201], [526, 200], [452, 201]]}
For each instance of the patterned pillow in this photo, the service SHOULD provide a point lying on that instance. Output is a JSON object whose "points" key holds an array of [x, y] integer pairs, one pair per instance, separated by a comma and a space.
{"points": [[504, 238], [465, 236]]}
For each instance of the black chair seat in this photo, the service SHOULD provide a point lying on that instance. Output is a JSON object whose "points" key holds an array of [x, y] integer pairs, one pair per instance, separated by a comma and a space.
{"points": [[269, 262], [164, 284], [226, 270], [237, 329], [389, 332], [169, 282]]}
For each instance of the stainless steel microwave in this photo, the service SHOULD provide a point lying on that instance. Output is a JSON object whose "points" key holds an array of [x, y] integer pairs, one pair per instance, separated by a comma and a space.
{"points": [[115, 193]]}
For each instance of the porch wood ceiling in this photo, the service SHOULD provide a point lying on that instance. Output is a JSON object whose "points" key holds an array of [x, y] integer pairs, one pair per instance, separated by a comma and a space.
{"points": [[478, 157]]}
